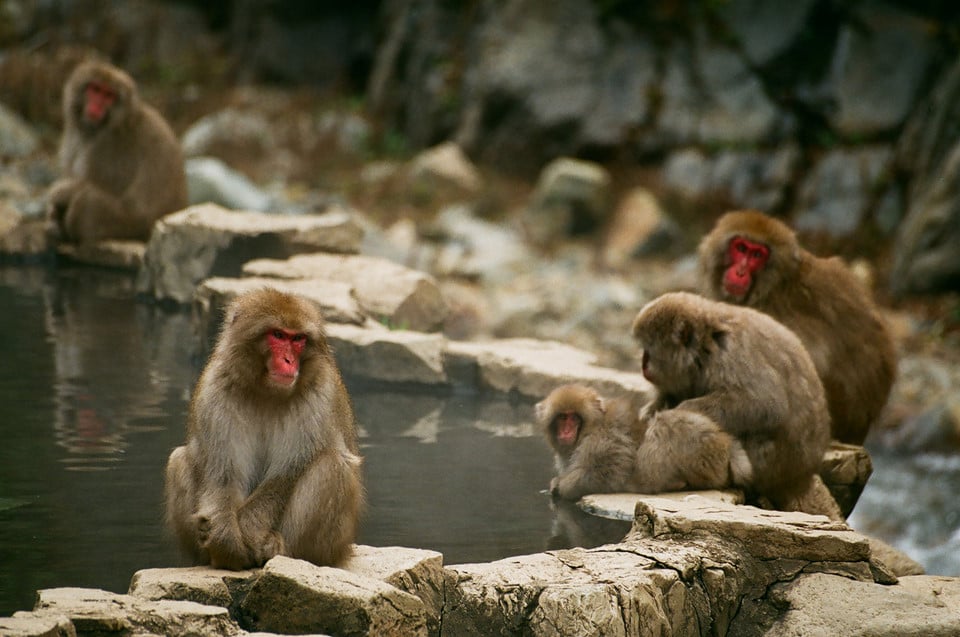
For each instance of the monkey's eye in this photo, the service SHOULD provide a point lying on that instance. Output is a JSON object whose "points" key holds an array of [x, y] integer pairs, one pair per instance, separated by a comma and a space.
{"points": [[299, 338], [757, 254], [741, 247], [279, 335]]}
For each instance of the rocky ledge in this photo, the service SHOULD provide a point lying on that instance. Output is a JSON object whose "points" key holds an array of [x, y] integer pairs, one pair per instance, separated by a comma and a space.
{"points": [[692, 564]]}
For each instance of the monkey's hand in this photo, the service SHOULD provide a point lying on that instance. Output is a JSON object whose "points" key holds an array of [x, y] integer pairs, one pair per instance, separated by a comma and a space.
{"points": [[222, 541], [58, 202], [265, 546]]}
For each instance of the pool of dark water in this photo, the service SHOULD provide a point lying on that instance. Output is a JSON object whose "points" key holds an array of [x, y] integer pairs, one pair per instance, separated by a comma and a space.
{"points": [[93, 393]]}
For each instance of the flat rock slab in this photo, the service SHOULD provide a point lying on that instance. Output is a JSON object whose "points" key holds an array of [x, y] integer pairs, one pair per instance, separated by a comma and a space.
{"points": [[396, 295], [294, 597], [623, 506], [820, 604], [394, 356], [98, 612], [37, 625], [206, 240], [536, 367], [200, 584]]}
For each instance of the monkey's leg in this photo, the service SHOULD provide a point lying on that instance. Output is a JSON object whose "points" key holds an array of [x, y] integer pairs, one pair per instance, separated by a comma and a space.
{"points": [[682, 450], [322, 517], [180, 493], [602, 463], [816, 499], [95, 214], [219, 528]]}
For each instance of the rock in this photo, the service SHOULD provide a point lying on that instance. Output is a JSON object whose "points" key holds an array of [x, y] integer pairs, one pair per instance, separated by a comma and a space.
{"points": [[37, 625], [207, 240], [414, 571], [639, 228], [394, 356], [711, 96], [534, 368], [818, 604], [231, 131], [21, 236], [765, 31], [477, 249], [742, 179], [835, 196], [571, 196], [294, 596], [209, 180], [924, 257], [399, 296], [112, 253], [17, 138], [845, 470], [200, 584], [879, 67], [96, 612], [444, 170], [623, 506]]}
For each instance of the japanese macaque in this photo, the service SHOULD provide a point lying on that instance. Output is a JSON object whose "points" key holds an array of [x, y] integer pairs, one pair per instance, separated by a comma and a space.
{"points": [[271, 463], [754, 260], [122, 165], [602, 446], [751, 376]]}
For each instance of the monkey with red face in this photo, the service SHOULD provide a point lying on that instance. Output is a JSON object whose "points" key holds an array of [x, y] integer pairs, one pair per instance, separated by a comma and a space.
{"points": [[123, 166], [271, 464], [754, 260]]}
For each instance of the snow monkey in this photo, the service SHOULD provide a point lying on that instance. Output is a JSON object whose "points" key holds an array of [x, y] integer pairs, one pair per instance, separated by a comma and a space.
{"points": [[602, 446], [271, 463], [122, 164], [751, 376], [754, 260]]}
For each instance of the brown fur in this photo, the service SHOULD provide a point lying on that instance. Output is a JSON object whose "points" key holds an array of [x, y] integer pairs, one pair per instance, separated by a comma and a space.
{"points": [[747, 373], [825, 305], [618, 451], [266, 470], [121, 174]]}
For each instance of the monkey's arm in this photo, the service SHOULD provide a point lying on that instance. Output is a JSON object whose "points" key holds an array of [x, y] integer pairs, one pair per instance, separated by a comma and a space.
{"points": [[738, 413], [603, 463]]}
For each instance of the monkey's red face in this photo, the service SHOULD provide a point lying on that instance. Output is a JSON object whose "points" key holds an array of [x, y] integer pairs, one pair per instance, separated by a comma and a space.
{"points": [[98, 99], [566, 428], [283, 365], [745, 259]]}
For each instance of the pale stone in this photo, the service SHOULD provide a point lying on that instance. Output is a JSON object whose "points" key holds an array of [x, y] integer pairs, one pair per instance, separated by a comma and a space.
{"points": [[569, 193], [200, 584], [397, 356], [21, 236], [445, 167], [414, 571], [95, 612], [37, 625], [623, 506], [535, 368], [400, 296], [294, 596], [819, 604], [206, 240]]}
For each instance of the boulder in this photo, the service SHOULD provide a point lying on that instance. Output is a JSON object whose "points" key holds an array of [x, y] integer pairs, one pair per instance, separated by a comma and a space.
{"points": [[97, 612], [209, 180], [444, 170], [17, 138], [200, 584], [207, 240], [21, 236], [834, 198], [37, 625], [396, 295], [393, 356], [571, 196], [818, 604], [295, 597], [639, 228], [845, 471]]}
